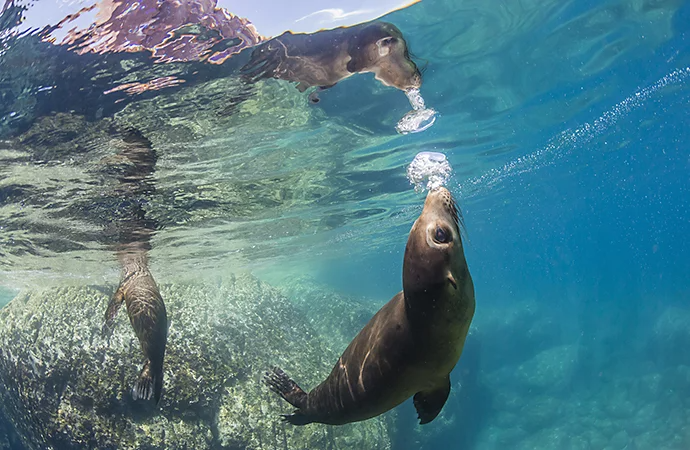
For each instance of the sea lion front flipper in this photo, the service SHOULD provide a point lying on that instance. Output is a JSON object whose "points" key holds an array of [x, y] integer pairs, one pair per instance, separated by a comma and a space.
{"points": [[110, 314], [280, 383], [429, 403]]}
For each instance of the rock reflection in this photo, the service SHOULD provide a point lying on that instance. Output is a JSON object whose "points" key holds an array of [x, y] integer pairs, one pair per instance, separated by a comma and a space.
{"points": [[172, 30]]}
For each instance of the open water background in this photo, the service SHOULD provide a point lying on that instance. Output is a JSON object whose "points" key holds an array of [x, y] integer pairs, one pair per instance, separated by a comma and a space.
{"points": [[566, 124]]}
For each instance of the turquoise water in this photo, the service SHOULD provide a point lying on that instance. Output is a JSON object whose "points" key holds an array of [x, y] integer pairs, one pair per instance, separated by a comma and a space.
{"points": [[6, 295], [566, 124]]}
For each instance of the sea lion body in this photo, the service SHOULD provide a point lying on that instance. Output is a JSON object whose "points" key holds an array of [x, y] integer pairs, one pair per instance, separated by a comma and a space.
{"points": [[326, 57], [411, 345], [148, 317], [138, 289]]}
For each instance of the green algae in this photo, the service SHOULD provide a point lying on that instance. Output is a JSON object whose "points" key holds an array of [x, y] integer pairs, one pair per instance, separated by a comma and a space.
{"points": [[65, 386]]}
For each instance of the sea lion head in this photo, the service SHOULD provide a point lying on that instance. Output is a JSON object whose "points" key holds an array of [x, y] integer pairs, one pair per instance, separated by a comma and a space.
{"points": [[434, 256], [380, 48]]}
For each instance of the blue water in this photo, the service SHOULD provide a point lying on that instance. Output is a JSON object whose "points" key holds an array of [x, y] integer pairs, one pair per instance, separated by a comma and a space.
{"points": [[566, 124]]}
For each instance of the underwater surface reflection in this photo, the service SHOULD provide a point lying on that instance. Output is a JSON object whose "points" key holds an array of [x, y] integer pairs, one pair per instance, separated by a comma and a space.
{"points": [[248, 199]]}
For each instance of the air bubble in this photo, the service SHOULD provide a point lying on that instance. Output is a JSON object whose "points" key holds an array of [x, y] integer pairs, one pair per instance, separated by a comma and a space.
{"points": [[420, 118], [429, 170]]}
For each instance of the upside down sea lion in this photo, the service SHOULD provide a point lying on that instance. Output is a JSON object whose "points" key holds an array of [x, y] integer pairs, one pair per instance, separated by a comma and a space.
{"points": [[326, 57], [411, 345]]}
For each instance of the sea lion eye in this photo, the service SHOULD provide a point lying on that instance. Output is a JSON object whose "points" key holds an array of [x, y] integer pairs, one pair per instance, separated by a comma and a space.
{"points": [[442, 236]]}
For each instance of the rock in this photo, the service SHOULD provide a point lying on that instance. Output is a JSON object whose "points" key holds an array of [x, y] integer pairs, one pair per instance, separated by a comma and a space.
{"points": [[644, 416], [620, 440], [514, 334], [550, 370], [597, 439], [651, 387], [619, 399], [546, 438], [670, 332], [332, 314], [64, 386], [540, 412], [509, 437]]}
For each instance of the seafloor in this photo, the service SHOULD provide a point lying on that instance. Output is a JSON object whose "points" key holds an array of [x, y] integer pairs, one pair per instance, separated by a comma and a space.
{"points": [[520, 384]]}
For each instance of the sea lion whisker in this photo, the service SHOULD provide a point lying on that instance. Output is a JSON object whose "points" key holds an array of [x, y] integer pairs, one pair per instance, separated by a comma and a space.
{"points": [[458, 218]]}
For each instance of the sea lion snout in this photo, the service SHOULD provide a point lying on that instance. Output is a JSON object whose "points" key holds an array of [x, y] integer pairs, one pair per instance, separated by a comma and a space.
{"points": [[380, 48], [434, 246], [440, 206], [416, 80]]}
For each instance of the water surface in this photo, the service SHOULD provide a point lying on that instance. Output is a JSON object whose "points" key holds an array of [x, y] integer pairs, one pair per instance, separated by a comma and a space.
{"points": [[565, 124]]}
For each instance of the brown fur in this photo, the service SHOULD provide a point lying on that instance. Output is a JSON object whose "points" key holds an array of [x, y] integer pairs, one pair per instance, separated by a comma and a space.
{"points": [[138, 289], [326, 57], [411, 345], [148, 317]]}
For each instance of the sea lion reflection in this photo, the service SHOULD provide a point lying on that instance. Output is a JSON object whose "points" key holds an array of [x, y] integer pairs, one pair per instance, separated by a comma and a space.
{"points": [[324, 58]]}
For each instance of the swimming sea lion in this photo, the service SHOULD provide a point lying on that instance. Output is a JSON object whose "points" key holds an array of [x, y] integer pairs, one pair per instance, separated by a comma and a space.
{"points": [[324, 58], [411, 345], [149, 319], [138, 289]]}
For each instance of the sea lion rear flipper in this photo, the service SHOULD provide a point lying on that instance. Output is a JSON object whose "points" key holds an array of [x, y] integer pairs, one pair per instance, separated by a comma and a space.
{"points": [[149, 384], [110, 314], [430, 403]]}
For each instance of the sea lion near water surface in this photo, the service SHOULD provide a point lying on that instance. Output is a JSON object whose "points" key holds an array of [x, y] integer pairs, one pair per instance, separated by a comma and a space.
{"points": [[411, 345], [138, 289], [324, 58], [148, 317]]}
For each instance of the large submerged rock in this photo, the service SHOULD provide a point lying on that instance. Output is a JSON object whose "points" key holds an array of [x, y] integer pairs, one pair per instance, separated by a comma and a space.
{"points": [[64, 386], [331, 313], [671, 332]]}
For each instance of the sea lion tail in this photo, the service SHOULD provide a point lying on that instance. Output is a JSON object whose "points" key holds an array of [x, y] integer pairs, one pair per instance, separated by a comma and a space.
{"points": [[280, 383], [149, 385]]}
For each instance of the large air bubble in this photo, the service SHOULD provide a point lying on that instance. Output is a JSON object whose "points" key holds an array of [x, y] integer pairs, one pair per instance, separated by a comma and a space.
{"points": [[420, 118], [429, 170]]}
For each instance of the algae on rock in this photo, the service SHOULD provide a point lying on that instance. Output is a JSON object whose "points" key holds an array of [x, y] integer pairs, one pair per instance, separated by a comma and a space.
{"points": [[333, 314], [64, 386]]}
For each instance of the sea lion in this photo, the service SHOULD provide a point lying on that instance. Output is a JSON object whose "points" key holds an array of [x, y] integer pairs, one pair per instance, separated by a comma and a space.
{"points": [[324, 58], [411, 345], [138, 289], [148, 317]]}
